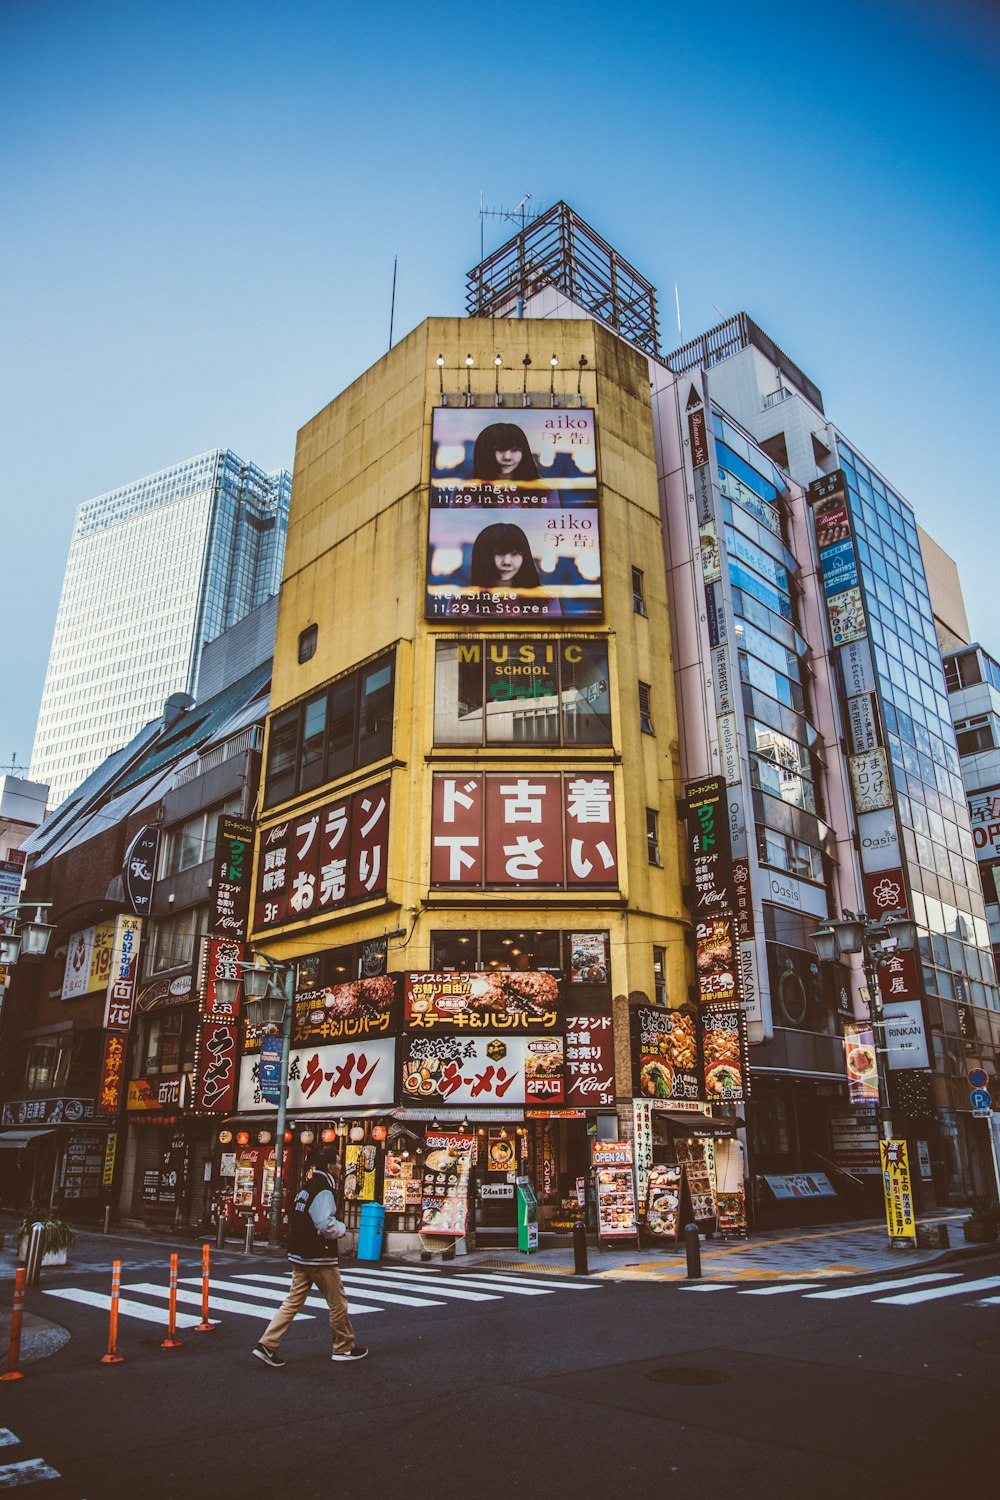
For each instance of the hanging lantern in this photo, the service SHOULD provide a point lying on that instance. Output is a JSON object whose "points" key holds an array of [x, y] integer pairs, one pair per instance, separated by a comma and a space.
{"points": [[264, 1137], [225, 1136], [288, 1137], [242, 1138], [379, 1132], [328, 1135], [307, 1137], [356, 1133]]}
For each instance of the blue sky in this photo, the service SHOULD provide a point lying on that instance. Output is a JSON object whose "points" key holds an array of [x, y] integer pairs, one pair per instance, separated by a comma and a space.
{"points": [[202, 203]]}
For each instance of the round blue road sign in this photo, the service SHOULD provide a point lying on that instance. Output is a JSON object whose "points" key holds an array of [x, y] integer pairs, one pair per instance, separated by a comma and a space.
{"points": [[980, 1099]]}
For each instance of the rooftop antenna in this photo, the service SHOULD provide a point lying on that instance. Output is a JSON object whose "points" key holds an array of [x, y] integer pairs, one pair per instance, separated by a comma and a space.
{"points": [[13, 769], [518, 215], [392, 305], [677, 299]]}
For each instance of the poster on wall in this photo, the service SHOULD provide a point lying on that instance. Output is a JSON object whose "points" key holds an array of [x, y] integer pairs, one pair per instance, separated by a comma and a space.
{"points": [[665, 1053], [726, 1054], [513, 527], [870, 782], [663, 1203], [716, 961], [846, 613], [590, 1061]]}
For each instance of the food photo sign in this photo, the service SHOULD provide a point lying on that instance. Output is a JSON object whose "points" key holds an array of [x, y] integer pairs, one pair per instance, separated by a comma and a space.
{"points": [[665, 1053]]}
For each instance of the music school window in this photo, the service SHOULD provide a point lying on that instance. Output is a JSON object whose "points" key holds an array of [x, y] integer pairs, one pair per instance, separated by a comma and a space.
{"points": [[522, 692], [344, 727]]}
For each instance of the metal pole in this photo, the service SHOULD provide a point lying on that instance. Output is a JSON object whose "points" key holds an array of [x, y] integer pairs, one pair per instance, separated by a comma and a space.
{"points": [[34, 1253], [878, 1037], [692, 1249], [288, 991], [580, 1248]]}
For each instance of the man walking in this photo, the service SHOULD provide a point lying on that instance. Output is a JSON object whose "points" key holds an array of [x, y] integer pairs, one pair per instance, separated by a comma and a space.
{"points": [[312, 1250]]}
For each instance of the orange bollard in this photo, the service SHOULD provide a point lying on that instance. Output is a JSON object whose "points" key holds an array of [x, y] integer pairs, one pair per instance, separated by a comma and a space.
{"points": [[17, 1317], [113, 1357], [172, 1341], [205, 1326]]}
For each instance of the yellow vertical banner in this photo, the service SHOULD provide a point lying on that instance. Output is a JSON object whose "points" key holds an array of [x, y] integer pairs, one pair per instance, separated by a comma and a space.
{"points": [[898, 1190]]}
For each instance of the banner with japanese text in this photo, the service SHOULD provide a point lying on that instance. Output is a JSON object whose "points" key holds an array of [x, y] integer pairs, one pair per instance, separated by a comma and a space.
{"points": [[506, 829], [664, 1053], [333, 856], [499, 1001], [483, 1070], [124, 973], [231, 882], [218, 1026], [898, 1188], [342, 1075], [590, 1061]]}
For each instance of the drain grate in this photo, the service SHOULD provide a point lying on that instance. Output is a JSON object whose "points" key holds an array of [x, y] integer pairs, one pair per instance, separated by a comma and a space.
{"points": [[688, 1376]]}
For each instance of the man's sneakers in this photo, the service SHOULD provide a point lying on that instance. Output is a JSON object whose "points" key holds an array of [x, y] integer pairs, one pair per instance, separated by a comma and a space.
{"points": [[267, 1358], [358, 1352]]}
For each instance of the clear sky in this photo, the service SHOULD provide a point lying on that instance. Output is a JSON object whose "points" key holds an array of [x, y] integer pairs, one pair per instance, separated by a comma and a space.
{"points": [[201, 203]]}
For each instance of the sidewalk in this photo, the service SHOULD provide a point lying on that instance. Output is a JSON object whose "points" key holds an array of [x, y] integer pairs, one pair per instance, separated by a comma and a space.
{"points": [[781, 1254]]}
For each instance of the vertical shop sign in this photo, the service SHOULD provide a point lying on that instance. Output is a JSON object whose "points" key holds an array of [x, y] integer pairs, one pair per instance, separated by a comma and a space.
{"points": [[859, 1059], [708, 845], [124, 971], [110, 1150], [218, 1026], [642, 1135], [109, 1091], [231, 888], [590, 1061], [139, 871]]}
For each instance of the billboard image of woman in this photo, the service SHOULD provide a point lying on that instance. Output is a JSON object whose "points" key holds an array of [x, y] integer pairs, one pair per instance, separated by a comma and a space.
{"points": [[514, 531]]}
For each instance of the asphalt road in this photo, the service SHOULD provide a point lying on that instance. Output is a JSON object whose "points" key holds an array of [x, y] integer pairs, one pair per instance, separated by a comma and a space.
{"points": [[737, 1391]]}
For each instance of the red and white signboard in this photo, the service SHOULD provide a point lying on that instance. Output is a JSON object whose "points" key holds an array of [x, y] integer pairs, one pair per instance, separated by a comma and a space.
{"points": [[590, 1061], [343, 1076], [507, 829], [332, 856]]}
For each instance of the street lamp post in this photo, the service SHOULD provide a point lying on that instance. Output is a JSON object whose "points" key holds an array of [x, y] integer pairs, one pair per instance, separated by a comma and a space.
{"points": [[877, 940], [269, 988], [30, 939]]}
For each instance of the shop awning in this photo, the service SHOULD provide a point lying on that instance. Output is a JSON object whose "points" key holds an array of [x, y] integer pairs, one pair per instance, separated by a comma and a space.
{"points": [[13, 1140], [700, 1123]]}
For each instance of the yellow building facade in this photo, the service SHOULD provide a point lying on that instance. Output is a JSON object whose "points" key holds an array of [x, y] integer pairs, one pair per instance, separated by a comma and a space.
{"points": [[460, 779]]}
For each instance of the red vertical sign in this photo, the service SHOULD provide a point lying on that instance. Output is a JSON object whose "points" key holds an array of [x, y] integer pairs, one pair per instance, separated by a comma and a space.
{"points": [[457, 823], [524, 821]]}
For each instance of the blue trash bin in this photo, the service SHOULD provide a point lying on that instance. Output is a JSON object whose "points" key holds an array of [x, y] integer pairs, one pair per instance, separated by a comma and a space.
{"points": [[370, 1231]]}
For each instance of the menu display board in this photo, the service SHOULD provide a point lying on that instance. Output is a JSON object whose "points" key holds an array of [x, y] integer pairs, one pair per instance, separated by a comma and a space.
{"points": [[444, 1207], [663, 1203], [732, 1216], [697, 1157], [484, 1070], [615, 1189]]}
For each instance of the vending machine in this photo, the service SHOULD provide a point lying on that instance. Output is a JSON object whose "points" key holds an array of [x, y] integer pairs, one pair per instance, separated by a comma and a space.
{"points": [[527, 1217]]}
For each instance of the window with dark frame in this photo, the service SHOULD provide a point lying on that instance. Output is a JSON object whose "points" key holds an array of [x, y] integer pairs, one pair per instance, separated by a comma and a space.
{"points": [[336, 731], [546, 951], [307, 643], [537, 691], [638, 592], [659, 976], [645, 708], [652, 836]]}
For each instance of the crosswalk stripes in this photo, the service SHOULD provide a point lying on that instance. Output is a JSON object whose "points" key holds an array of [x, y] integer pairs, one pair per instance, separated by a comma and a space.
{"points": [[22, 1471], [957, 1286], [256, 1294]]}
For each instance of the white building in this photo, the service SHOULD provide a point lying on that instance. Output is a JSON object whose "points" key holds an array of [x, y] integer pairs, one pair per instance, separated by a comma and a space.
{"points": [[156, 569]]}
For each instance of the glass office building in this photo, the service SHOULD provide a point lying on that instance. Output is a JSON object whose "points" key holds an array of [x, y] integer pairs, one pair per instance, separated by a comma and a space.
{"points": [[156, 569]]}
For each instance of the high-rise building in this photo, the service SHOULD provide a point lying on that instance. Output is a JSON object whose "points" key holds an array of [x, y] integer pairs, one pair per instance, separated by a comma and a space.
{"points": [[156, 569]]}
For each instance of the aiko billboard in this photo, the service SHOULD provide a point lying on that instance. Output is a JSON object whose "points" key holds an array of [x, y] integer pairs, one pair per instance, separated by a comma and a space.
{"points": [[513, 529]]}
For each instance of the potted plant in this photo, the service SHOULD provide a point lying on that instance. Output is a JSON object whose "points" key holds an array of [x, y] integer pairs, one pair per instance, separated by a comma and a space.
{"points": [[60, 1237], [982, 1226]]}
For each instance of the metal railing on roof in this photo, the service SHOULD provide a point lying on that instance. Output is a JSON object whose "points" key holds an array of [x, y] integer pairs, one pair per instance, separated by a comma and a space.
{"points": [[239, 744]]}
